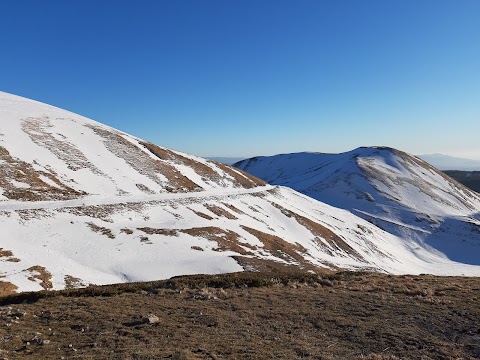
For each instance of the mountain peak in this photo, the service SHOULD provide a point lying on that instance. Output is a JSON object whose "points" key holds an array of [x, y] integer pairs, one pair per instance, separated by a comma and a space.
{"points": [[392, 189]]}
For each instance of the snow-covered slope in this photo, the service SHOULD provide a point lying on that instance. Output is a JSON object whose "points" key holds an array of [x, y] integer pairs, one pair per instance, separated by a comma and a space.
{"points": [[392, 189], [83, 203]]}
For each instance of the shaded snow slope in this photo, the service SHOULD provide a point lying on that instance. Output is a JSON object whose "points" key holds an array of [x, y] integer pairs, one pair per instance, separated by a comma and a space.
{"points": [[392, 189], [82, 203]]}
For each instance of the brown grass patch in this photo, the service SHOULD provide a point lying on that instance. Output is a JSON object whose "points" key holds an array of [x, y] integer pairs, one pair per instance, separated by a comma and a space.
{"points": [[18, 170], [7, 288], [217, 210], [5, 253], [37, 129], [144, 164], [72, 282], [242, 178], [202, 215], [206, 172], [152, 231], [101, 230], [227, 240], [103, 212], [126, 231], [268, 265], [40, 273], [321, 233], [279, 315], [281, 248], [233, 208], [8, 255]]}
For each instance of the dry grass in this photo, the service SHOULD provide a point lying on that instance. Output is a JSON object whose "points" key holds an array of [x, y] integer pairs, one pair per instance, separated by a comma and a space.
{"points": [[72, 282], [144, 164], [281, 248], [202, 215], [322, 234], [217, 210], [101, 230], [7, 288], [208, 174], [42, 275], [241, 177], [250, 316], [233, 208], [151, 231], [226, 240], [13, 169]]}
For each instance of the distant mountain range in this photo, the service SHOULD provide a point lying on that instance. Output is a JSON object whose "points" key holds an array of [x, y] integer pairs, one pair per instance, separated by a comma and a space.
{"points": [[446, 162], [440, 161], [82, 203], [226, 160]]}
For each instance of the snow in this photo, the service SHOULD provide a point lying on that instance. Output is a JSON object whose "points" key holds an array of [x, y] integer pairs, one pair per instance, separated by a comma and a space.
{"points": [[100, 234], [411, 199]]}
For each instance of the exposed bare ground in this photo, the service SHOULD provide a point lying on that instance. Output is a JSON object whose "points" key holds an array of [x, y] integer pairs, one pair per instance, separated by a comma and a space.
{"points": [[217, 210], [250, 316], [101, 230], [8, 255], [226, 240], [7, 288], [241, 177], [41, 274], [72, 282], [33, 188], [144, 164], [281, 248], [322, 234], [202, 215]]}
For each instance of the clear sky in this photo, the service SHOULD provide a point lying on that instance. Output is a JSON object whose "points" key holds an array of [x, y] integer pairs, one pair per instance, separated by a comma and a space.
{"points": [[255, 77]]}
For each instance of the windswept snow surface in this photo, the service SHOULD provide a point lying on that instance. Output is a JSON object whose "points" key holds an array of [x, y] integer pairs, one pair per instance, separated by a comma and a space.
{"points": [[82, 203], [396, 191]]}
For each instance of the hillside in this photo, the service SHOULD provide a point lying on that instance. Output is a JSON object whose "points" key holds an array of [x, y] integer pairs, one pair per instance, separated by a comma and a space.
{"points": [[398, 192], [250, 316], [82, 203]]}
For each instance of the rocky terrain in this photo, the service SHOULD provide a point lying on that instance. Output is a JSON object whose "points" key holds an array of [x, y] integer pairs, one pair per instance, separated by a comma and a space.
{"points": [[249, 316]]}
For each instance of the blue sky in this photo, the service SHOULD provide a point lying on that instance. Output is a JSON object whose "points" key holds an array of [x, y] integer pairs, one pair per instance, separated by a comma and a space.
{"points": [[245, 78]]}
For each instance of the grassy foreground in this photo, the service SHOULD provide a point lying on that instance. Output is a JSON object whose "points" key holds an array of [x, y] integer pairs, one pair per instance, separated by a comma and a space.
{"points": [[249, 316]]}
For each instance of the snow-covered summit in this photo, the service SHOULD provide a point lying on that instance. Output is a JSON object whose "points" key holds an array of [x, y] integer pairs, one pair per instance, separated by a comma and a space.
{"points": [[392, 189]]}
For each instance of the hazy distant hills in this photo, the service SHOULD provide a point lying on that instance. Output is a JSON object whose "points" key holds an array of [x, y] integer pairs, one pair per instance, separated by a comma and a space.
{"points": [[82, 203], [440, 161], [470, 179], [396, 191], [226, 160], [446, 162]]}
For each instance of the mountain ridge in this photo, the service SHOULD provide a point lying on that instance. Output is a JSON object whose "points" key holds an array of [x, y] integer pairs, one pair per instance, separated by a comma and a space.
{"points": [[82, 203], [392, 189]]}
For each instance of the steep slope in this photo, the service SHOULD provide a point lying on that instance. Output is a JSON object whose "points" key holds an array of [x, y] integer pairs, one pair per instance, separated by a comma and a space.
{"points": [[392, 189], [49, 154], [83, 203]]}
